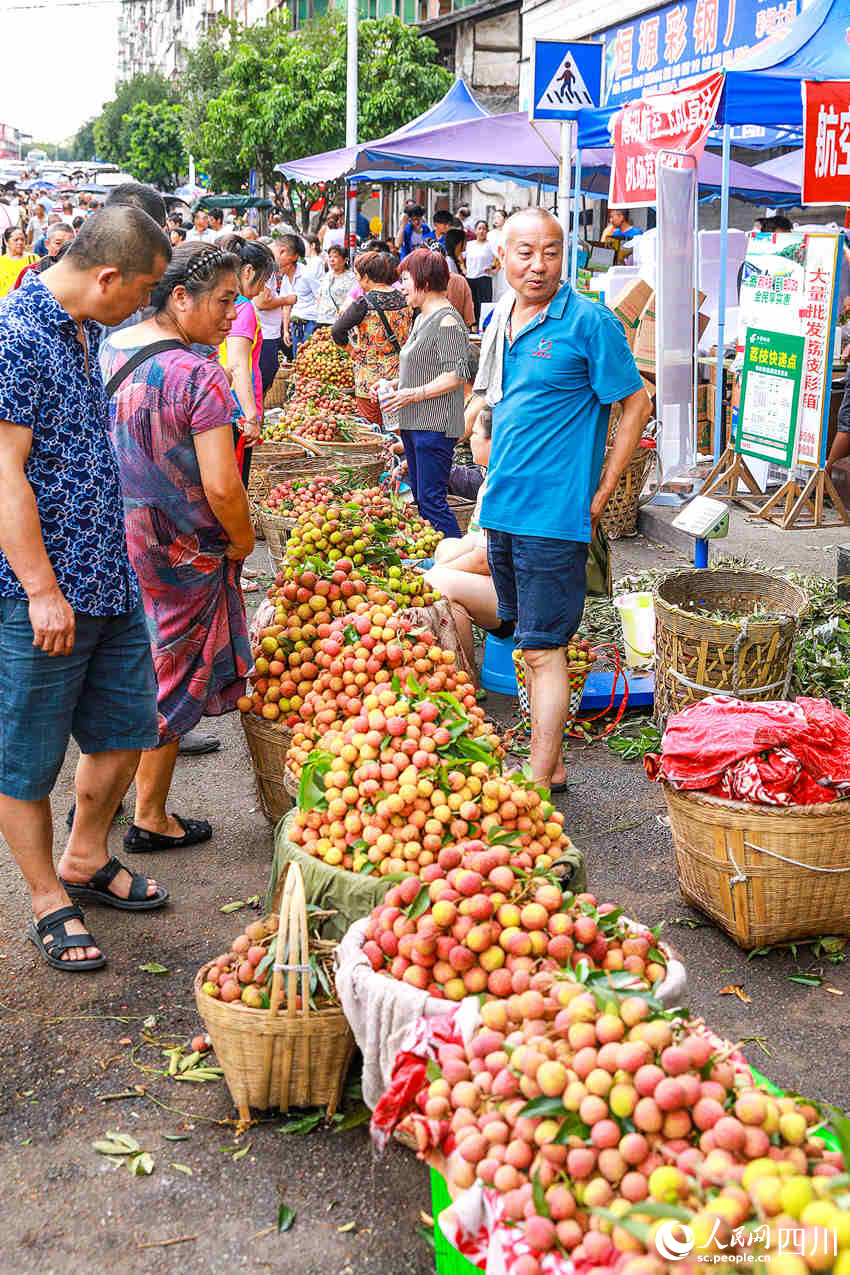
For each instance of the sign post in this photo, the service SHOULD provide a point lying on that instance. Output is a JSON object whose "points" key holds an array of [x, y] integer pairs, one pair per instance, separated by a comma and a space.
{"points": [[566, 79]]}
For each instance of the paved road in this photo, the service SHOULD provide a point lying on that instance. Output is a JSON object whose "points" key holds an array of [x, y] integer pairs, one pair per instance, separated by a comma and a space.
{"points": [[67, 1209]]}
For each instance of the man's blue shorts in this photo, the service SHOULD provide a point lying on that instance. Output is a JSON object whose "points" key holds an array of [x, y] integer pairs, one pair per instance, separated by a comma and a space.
{"points": [[541, 584], [103, 693]]}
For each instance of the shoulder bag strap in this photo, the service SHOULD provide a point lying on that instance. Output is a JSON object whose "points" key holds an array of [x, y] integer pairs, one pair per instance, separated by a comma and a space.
{"points": [[391, 336], [141, 356]]}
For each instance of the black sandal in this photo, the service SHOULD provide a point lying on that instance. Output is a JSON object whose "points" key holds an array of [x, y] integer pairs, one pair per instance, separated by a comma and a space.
{"points": [[43, 934], [195, 831], [96, 889]]}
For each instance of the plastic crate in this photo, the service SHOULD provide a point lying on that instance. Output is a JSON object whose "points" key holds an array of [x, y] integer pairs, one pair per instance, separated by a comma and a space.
{"points": [[827, 1135], [448, 1260]]}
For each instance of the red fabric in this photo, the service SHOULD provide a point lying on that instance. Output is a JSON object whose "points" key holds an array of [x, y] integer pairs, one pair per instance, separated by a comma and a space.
{"points": [[370, 411], [410, 1073], [776, 753]]}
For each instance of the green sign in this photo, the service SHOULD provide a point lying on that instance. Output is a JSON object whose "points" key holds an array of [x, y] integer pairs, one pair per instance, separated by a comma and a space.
{"points": [[770, 395]]}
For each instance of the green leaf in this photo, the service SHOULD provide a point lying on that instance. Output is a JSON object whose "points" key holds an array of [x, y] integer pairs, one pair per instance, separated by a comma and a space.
{"points": [[608, 921], [153, 967], [176, 1137], [658, 957], [655, 1208], [232, 907], [808, 980], [125, 1141], [543, 1107], [426, 1234], [420, 904], [539, 1196], [141, 1164], [839, 1122], [182, 1168], [366, 868], [640, 1231], [353, 1119], [107, 1147], [268, 959], [285, 1217], [346, 1226], [302, 1124], [433, 1071], [573, 1126], [311, 787], [242, 1152]]}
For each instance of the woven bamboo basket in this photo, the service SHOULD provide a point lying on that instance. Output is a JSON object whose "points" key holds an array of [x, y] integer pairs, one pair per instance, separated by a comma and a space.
{"points": [[577, 675], [462, 510], [267, 457], [621, 513], [696, 656], [764, 874], [277, 393], [281, 1057], [268, 743], [276, 529], [368, 447]]}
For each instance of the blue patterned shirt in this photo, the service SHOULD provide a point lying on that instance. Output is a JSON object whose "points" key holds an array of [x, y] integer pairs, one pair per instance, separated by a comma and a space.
{"points": [[45, 387]]}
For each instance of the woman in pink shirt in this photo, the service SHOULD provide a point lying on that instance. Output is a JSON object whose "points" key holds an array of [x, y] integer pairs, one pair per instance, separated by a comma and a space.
{"points": [[241, 351]]}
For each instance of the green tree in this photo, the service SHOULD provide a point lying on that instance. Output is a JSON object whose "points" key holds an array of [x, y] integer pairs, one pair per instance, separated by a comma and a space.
{"points": [[111, 134], [284, 94], [156, 152], [83, 144]]}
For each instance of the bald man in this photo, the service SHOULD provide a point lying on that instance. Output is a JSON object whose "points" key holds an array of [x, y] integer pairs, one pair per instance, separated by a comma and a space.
{"points": [[552, 363]]}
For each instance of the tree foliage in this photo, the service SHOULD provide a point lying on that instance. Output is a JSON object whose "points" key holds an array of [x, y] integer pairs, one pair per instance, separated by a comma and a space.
{"points": [[83, 144], [155, 153], [111, 131]]}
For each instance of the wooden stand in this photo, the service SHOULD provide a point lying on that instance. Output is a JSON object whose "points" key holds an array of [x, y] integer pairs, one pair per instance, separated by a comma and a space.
{"points": [[730, 470], [795, 500]]}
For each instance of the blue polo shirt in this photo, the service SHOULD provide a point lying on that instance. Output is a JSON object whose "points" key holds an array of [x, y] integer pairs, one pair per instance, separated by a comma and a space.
{"points": [[560, 375]]}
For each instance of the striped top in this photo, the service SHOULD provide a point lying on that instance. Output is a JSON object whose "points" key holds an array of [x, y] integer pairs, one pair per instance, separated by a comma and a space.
{"points": [[431, 350]]}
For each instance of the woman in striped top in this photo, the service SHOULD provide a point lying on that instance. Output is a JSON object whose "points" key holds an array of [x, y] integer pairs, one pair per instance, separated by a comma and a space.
{"points": [[433, 367]]}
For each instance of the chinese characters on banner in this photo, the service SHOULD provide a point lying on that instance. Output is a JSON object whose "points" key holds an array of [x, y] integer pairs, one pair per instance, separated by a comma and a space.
{"points": [[788, 288], [826, 142], [685, 39], [770, 396], [676, 121]]}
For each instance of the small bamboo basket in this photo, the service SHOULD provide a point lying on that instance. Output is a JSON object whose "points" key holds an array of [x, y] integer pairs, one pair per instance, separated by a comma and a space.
{"points": [[278, 392], [276, 530], [764, 874], [696, 656], [368, 447], [284, 1056], [621, 513], [268, 743], [462, 510], [577, 674]]}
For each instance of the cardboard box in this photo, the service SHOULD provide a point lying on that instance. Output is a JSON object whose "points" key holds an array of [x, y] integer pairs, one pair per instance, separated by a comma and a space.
{"points": [[630, 303], [644, 346]]}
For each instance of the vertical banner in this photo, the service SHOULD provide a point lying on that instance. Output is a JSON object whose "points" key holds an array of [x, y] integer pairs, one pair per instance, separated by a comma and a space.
{"points": [[674, 315], [676, 121], [789, 287], [826, 142]]}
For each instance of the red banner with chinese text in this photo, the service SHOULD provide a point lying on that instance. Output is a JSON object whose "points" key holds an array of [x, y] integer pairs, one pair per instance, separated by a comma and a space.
{"points": [[826, 142], [676, 121]]}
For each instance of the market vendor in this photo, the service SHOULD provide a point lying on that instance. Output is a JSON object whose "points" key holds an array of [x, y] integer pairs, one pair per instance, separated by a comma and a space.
{"points": [[552, 363], [619, 231]]}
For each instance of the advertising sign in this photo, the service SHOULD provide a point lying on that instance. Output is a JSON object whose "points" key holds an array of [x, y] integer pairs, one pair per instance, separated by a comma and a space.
{"points": [[770, 396], [788, 287], [679, 41], [676, 121], [826, 142], [566, 77]]}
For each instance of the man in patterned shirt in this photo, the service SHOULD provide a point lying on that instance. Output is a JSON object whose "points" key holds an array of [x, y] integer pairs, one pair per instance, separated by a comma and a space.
{"points": [[74, 650]]}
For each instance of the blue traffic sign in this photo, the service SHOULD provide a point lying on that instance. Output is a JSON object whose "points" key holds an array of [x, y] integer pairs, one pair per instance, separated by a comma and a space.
{"points": [[566, 78]]}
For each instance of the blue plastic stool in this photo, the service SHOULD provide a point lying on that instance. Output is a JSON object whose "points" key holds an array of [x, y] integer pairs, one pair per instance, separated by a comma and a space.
{"points": [[497, 671]]}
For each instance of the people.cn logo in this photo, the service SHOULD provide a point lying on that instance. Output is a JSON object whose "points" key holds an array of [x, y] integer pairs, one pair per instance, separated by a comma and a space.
{"points": [[544, 348], [674, 1247]]}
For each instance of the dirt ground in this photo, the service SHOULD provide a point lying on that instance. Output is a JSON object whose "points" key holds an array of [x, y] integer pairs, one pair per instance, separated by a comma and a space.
{"points": [[69, 1042]]}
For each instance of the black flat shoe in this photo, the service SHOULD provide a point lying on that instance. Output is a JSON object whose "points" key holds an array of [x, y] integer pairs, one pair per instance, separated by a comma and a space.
{"points": [[195, 832], [96, 889], [561, 787], [50, 935], [194, 744]]}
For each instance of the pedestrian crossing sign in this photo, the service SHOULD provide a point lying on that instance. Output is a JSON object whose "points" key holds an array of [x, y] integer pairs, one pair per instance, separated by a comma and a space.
{"points": [[566, 78]]}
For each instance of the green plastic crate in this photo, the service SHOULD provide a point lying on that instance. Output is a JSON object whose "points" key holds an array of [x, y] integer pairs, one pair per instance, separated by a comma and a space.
{"points": [[827, 1135], [448, 1260]]}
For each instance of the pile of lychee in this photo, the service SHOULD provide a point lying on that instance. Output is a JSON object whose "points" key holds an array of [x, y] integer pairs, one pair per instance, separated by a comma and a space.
{"points": [[296, 496], [340, 530], [243, 974], [320, 359], [573, 1097], [490, 926]]}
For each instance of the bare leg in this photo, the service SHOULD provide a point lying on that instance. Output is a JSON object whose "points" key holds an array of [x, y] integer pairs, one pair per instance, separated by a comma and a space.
{"points": [[549, 693], [28, 828], [463, 628], [101, 781], [473, 600], [839, 449], [153, 781], [451, 548]]}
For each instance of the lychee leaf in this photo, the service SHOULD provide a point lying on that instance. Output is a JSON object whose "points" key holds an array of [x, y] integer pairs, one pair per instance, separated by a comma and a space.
{"points": [[268, 958], [659, 1209], [573, 1126], [285, 1217], [420, 904], [539, 1196], [841, 1125], [543, 1107], [608, 921], [640, 1231], [433, 1071]]}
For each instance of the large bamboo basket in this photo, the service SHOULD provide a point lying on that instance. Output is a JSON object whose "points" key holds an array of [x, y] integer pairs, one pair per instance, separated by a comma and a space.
{"points": [[696, 656], [462, 510], [276, 529], [281, 1057], [621, 513], [368, 447], [266, 458], [277, 393], [764, 874], [268, 744]]}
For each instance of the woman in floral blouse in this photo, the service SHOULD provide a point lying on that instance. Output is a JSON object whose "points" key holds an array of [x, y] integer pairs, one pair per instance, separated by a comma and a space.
{"points": [[379, 323]]}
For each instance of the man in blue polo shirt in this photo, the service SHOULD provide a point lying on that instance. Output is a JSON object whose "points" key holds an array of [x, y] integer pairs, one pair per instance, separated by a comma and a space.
{"points": [[552, 364]]}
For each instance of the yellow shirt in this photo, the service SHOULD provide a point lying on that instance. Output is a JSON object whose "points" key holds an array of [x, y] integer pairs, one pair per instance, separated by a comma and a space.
{"points": [[11, 267]]}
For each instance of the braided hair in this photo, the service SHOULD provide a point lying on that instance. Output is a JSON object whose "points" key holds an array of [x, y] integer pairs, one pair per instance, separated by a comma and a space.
{"points": [[195, 267]]}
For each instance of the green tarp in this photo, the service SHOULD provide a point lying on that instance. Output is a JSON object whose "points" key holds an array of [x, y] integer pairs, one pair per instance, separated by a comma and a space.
{"points": [[351, 896], [237, 202]]}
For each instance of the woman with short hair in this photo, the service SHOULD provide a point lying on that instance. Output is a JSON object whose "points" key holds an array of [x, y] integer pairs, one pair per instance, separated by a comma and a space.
{"points": [[14, 259], [377, 325], [433, 368], [186, 512], [336, 285]]}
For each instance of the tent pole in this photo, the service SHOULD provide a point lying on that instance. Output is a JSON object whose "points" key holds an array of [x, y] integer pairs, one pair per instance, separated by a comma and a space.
{"points": [[564, 186], [721, 294], [574, 231]]}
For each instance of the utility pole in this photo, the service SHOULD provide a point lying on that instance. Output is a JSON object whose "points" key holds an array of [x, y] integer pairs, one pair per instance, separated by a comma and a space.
{"points": [[351, 117]]}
